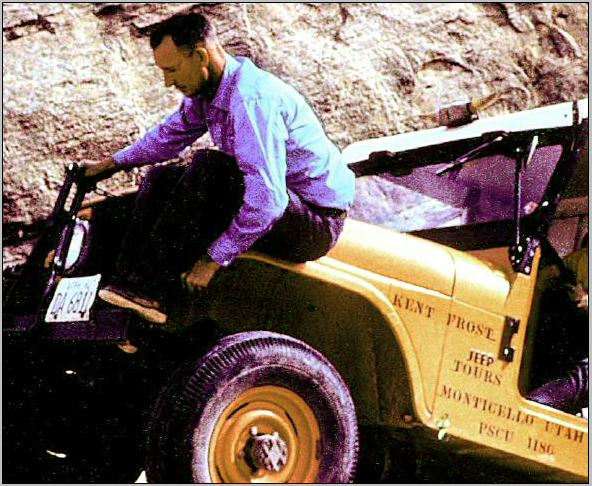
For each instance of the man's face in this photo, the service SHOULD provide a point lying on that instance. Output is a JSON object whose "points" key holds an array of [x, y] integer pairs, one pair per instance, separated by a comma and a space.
{"points": [[183, 70]]}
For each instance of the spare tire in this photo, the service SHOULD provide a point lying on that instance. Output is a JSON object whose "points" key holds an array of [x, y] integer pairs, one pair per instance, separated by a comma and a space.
{"points": [[258, 406]]}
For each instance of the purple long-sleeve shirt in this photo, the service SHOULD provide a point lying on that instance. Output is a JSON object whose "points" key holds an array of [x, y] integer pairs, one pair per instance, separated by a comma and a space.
{"points": [[274, 136]]}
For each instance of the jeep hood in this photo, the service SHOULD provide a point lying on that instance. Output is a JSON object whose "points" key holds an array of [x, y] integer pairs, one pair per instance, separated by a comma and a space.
{"points": [[422, 263]]}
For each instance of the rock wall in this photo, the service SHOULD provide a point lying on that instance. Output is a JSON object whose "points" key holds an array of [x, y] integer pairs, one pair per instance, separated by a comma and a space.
{"points": [[79, 80]]}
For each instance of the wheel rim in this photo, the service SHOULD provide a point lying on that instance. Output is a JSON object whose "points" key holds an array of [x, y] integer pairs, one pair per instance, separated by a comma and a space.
{"points": [[266, 435]]}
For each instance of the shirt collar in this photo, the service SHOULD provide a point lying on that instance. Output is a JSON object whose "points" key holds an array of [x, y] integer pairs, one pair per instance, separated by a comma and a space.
{"points": [[222, 98]]}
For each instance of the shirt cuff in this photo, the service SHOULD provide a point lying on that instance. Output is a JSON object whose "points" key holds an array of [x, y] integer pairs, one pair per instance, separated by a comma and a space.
{"points": [[122, 158], [222, 251]]}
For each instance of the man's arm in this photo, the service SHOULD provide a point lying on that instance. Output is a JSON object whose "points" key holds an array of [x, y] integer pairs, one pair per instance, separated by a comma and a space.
{"points": [[96, 167], [168, 139], [260, 137], [163, 142]]}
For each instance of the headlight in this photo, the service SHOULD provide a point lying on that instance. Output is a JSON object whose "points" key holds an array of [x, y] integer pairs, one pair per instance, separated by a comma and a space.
{"points": [[79, 246]]}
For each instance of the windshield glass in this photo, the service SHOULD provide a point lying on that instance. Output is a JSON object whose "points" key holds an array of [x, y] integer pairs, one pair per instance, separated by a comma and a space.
{"points": [[481, 191]]}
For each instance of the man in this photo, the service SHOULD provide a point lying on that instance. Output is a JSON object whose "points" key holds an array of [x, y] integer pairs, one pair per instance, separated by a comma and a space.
{"points": [[277, 185]]}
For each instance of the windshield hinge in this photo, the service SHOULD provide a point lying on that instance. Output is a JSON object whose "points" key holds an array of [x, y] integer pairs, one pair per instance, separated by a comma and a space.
{"points": [[506, 352], [522, 255]]}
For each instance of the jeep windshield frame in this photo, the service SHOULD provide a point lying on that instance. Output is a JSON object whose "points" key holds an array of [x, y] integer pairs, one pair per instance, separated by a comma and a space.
{"points": [[491, 168]]}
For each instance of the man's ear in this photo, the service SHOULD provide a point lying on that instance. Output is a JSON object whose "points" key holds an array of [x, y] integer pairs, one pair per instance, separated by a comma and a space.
{"points": [[202, 54]]}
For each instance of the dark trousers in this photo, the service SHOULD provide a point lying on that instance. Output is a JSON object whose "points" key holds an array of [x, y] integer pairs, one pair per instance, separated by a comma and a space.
{"points": [[180, 210]]}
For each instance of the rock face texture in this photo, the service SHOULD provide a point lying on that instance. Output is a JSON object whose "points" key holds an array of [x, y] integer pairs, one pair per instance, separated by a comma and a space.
{"points": [[79, 81]]}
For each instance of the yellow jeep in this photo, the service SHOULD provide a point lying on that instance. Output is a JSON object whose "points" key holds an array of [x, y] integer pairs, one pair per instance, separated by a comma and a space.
{"points": [[426, 325]]}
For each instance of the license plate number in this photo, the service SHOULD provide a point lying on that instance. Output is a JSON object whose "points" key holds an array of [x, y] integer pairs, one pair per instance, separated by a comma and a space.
{"points": [[73, 299]]}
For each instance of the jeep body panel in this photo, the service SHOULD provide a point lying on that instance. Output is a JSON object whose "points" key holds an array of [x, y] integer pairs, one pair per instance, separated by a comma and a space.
{"points": [[443, 370]]}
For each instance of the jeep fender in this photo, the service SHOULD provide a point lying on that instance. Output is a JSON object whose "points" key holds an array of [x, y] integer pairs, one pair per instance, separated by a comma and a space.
{"points": [[343, 316]]}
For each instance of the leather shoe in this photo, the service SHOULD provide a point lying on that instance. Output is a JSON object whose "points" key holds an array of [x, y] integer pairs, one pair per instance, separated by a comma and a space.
{"points": [[129, 299]]}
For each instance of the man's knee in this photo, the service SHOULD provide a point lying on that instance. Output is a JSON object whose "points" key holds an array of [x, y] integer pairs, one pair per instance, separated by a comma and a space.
{"points": [[304, 232], [160, 180], [158, 173], [216, 172], [214, 161]]}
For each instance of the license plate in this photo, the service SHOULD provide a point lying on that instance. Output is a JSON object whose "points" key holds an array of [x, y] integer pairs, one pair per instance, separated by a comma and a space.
{"points": [[73, 299]]}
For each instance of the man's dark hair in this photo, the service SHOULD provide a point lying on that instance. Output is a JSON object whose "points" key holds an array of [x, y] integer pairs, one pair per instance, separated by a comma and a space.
{"points": [[186, 30]]}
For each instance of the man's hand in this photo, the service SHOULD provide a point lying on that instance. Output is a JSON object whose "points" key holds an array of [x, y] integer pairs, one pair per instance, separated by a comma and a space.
{"points": [[200, 275], [95, 167]]}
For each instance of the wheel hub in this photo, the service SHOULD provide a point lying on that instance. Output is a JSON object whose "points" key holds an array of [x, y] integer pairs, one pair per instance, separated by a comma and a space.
{"points": [[267, 434], [266, 451]]}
